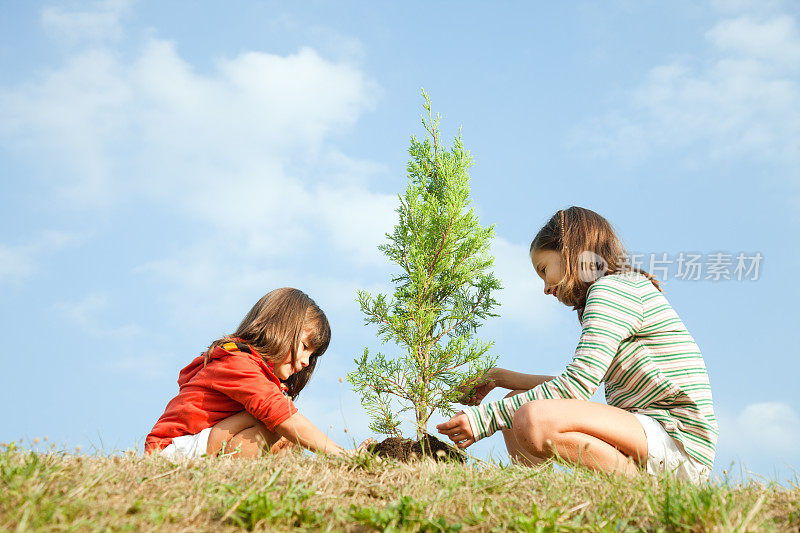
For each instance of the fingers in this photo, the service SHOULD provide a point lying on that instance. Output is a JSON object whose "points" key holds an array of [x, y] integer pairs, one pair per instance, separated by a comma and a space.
{"points": [[471, 391], [472, 400], [465, 399], [458, 430], [476, 395], [366, 443], [469, 399], [461, 434], [444, 427], [462, 439], [451, 429], [465, 443], [282, 444]]}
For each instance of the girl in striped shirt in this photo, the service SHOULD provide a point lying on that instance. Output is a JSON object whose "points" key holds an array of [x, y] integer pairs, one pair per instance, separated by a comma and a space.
{"points": [[659, 414]]}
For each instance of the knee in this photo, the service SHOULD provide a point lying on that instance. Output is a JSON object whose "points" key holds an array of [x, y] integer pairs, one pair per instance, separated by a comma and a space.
{"points": [[508, 432], [242, 419], [262, 433], [535, 426], [250, 442], [224, 431], [258, 432], [234, 424]]}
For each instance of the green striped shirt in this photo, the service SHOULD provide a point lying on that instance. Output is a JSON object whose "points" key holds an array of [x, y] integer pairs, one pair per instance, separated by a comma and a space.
{"points": [[633, 341]]}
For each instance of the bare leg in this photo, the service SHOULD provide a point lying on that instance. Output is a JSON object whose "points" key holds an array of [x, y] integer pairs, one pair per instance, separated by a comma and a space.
{"points": [[596, 435], [515, 451], [241, 432]]}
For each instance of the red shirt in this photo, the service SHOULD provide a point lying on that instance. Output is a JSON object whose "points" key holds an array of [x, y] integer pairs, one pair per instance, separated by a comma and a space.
{"points": [[231, 381]]}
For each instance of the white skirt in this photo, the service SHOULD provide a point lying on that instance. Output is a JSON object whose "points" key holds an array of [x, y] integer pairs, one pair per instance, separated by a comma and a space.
{"points": [[665, 454], [188, 446]]}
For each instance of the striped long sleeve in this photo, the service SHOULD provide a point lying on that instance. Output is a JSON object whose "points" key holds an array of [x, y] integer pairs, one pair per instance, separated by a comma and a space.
{"points": [[606, 322], [632, 340]]}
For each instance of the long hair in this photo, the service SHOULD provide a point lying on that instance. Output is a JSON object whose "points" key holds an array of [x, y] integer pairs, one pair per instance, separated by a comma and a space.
{"points": [[274, 325], [574, 233]]}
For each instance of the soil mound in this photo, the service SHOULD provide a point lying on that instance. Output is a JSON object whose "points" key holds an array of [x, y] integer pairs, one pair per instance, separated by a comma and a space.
{"points": [[409, 450]]}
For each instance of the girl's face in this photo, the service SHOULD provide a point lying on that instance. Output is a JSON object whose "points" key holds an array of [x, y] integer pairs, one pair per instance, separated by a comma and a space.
{"points": [[550, 266], [285, 368]]}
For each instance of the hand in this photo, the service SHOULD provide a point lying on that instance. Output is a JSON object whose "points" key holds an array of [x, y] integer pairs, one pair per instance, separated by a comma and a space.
{"points": [[459, 430], [364, 445], [282, 445], [361, 447], [475, 392]]}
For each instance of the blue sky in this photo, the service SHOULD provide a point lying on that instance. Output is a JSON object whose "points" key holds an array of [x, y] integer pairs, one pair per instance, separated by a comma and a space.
{"points": [[163, 168]]}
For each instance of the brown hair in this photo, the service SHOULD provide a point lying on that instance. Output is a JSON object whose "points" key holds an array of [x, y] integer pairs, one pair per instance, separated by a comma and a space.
{"points": [[574, 231], [274, 325]]}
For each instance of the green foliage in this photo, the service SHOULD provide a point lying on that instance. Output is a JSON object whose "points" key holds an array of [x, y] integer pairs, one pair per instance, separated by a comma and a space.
{"points": [[682, 507], [443, 291], [56, 491], [539, 521], [13, 474], [270, 505], [364, 460], [404, 514], [26, 473]]}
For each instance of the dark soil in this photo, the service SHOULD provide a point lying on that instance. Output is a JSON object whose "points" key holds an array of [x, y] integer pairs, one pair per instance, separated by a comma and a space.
{"points": [[408, 450]]}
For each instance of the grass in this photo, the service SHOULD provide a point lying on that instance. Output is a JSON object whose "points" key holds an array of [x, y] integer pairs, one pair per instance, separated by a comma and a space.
{"points": [[56, 491]]}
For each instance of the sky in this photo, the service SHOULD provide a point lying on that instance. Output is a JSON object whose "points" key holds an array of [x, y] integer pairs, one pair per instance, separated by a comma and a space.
{"points": [[165, 164]]}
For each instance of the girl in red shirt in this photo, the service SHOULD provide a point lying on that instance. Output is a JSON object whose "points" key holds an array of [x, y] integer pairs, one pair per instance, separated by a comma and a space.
{"points": [[237, 396]]}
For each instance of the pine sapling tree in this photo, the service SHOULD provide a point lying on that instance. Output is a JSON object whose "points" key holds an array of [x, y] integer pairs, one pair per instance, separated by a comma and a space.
{"points": [[443, 292]]}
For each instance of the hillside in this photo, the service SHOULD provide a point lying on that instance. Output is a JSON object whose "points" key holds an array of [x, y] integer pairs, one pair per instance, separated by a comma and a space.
{"points": [[57, 491]]}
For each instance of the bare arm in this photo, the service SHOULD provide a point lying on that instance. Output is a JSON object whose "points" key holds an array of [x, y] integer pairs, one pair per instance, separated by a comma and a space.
{"points": [[301, 431], [499, 377], [508, 379]]}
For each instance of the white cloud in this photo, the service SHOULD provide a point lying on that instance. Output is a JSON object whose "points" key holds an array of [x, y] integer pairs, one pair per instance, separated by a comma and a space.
{"points": [[101, 23], [15, 263], [774, 41], [254, 103], [357, 220], [18, 262], [522, 298], [341, 47], [244, 151], [155, 126], [128, 348], [763, 7], [89, 314], [212, 283], [740, 99], [73, 115], [761, 429]]}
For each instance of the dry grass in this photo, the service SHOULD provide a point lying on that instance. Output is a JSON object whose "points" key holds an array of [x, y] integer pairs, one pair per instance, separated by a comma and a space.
{"points": [[57, 491]]}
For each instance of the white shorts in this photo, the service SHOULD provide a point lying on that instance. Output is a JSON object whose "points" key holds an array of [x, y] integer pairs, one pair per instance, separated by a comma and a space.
{"points": [[188, 446], [665, 454]]}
